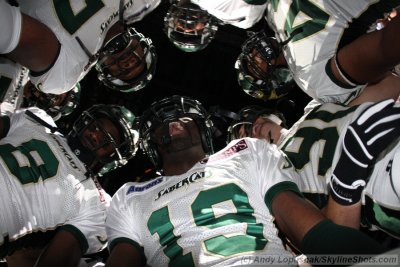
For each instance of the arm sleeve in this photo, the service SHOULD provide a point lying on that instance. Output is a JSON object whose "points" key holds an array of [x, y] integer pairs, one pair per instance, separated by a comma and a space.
{"points": [[274, 170], [120, 223], [329, 238], [88, 226], [10, 27]]}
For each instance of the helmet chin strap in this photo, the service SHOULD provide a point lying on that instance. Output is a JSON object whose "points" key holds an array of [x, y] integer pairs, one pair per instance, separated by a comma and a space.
{"points": [[165, 138]]}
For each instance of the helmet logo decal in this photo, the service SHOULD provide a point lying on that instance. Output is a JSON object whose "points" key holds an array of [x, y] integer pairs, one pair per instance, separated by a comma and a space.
{"points": [[77, 152]]}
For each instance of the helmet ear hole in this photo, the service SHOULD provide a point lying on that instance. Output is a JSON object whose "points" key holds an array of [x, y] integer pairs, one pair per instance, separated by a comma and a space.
{"points": [[209, 123]]}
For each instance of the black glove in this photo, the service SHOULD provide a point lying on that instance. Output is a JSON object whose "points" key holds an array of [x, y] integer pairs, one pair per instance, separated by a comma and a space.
{"points": [[370, 134]]}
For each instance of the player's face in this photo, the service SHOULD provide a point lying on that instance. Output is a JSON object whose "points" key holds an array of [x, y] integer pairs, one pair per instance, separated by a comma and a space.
{"points": [[182, 132], [96, 137], [189, 22], [185, 28], [259, 63], [264, 128], [127, 64]]}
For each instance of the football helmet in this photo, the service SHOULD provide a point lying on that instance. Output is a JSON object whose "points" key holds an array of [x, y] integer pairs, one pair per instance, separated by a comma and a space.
{"points": [[125, 122], [167, 110], [258, 74], [128, 48], [247, 116], [189, 27], [56, 106]]}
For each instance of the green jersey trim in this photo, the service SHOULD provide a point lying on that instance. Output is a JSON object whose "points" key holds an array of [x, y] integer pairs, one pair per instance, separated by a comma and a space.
{"points": [[278, 188], [330, 74], [255, 2]]}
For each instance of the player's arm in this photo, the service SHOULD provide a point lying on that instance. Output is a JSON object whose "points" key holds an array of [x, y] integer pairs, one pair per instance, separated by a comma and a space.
{"points": [[349, 216], [312, 233], [37, 48], [387, 88], [370, 57], [124, 255], [64, 250]]}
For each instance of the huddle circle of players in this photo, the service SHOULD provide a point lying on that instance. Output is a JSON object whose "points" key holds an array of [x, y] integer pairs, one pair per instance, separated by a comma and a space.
{"points": [[343, 55]]}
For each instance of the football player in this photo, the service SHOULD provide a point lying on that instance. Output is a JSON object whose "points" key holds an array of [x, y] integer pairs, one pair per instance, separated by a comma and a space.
{"points": [[329, 50], [52, 206], [192, 24], [313, 145], [76, 37], [214, 209]]}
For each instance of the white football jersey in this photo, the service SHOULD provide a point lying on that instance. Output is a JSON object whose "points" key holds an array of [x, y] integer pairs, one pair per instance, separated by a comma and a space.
{"points": [[214, 214], [43, 186], [318, 29], [313, 144], [81, 27], [235, 12], [13, 78]]}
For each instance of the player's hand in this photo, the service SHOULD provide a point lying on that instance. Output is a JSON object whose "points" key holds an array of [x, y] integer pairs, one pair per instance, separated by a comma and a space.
{"points": [[368, 136]]}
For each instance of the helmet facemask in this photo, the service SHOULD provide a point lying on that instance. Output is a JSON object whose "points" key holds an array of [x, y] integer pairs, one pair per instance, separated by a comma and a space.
{"points": [[127, 54], [189, 27]]}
